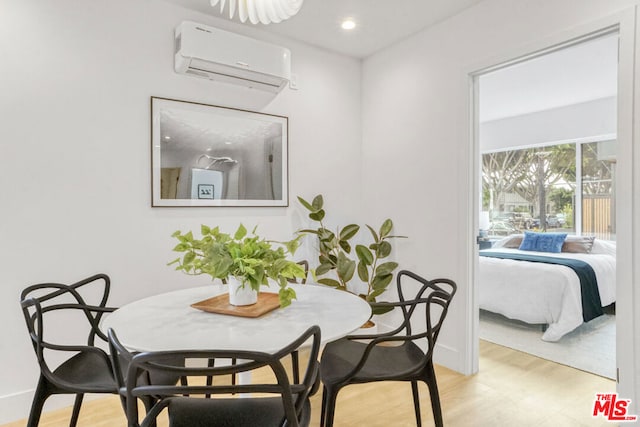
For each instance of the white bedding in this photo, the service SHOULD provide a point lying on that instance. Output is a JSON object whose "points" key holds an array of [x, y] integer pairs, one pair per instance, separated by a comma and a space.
{"points": [[535, 292]]}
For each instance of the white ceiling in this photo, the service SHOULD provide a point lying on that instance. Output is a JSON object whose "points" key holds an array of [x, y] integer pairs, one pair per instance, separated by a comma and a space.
{"points": [[380, 23], [573, 75]]}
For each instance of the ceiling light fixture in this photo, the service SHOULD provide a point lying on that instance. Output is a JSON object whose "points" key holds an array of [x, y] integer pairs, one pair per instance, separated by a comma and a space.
{"points": [[263, 11], [348, 24]]}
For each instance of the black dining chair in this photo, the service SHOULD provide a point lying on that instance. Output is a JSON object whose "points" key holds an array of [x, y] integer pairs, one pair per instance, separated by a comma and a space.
{"points": [[402, 354], [86, 368], [280, 403]]}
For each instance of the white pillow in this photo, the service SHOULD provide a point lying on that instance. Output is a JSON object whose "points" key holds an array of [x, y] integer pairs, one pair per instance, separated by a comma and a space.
{"points": [[607, 247]]}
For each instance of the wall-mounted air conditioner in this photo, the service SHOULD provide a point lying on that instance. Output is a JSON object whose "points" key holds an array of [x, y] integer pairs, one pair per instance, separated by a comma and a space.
{"points": [[215, 54]]}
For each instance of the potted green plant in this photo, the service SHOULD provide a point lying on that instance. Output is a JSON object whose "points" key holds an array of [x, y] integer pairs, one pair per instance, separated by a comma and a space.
{"points": [[243, 260], [337, 267]]}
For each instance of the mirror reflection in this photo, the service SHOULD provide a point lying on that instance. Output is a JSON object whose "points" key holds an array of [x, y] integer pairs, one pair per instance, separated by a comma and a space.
{"points": [[205, 155]]}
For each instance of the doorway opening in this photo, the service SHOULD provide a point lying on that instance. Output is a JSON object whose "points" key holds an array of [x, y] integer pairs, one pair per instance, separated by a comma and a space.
{"points": [[547, 130]]}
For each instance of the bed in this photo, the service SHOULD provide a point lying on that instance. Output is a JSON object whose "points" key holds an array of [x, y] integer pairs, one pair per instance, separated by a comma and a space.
{"points": [[543, 293]]}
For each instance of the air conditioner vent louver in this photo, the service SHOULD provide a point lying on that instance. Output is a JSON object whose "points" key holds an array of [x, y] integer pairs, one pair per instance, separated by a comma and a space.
{"points": [[197, 73], [220, 55]]}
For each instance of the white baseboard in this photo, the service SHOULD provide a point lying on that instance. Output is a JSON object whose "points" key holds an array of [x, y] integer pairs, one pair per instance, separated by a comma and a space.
{"points": [[448, 357], [16, 406]]}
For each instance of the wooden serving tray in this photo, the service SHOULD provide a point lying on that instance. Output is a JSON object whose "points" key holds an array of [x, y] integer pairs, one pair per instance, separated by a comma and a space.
{"points": [[267, 302]]}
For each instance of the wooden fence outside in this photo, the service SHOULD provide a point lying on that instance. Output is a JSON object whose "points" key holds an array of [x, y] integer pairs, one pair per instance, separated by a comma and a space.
{"points": [[597, 216]]}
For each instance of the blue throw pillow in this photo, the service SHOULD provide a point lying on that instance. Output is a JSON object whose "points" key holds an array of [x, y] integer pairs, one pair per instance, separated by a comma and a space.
{"points": [[542, 242]]}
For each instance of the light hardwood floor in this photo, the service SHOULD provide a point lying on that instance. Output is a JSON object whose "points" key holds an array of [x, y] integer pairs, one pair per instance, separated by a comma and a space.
{"points": [[511, 389]]}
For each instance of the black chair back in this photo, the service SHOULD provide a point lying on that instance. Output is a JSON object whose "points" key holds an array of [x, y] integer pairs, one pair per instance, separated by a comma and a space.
{"points": [[290, 406], [404, 353], [84, 368], [434, 297]]}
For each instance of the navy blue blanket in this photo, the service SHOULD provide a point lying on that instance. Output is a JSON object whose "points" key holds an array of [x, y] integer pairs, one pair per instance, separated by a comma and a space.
{"points": [[591, 304]]}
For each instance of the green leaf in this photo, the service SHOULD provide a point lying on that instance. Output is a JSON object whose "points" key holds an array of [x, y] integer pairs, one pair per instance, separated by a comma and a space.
{"points": [[345, 246], [176, 233], [384, 249], [373, 233], [386, 227], [240, 233], [293, 245], [380, 310], [349, 231], [306, 204], [363, 272], [204, 230], [285, 295], [364, 255], [325, 235], [324, 269], [306, 230], [380, 282], [189, 257], [189, 236], [374, 294], [181, 247], [330, 282], [317, 216], [318, 202], [346, 267], [386, 268], [328, 259]]}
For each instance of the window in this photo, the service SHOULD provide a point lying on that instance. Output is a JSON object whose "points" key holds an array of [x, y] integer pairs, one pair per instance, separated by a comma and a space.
{"points": [[570, 185]]}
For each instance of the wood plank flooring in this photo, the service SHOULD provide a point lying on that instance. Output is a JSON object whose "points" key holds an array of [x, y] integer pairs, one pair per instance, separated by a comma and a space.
{"points": [[511, 389]]}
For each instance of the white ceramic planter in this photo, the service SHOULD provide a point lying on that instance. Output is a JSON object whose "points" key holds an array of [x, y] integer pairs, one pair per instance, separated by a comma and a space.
{"points": [[241, 295]]}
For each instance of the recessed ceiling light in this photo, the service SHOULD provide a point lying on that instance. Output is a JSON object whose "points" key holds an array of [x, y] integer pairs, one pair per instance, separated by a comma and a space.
{"points": [[348, 24], [167, 137]]}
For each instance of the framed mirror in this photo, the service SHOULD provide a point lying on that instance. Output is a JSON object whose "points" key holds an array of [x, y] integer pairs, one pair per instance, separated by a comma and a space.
{"points": [[207, 155]]}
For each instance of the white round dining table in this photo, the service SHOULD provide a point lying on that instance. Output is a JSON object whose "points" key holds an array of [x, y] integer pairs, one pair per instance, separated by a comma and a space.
{"points": [[168, 322]]}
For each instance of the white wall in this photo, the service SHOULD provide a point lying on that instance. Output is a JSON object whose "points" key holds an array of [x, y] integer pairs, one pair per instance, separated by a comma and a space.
{"points": [[75, 153], [415, 135]]}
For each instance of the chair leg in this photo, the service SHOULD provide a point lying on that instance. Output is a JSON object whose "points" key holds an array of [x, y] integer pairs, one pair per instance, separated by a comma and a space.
{"points": [[323, 408], [43, 391], [430, 379], [329, 406], [148, 403], [183, 382], [210, 364], [295, 367], [234, 361], [416, 402], [76, 410]]}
